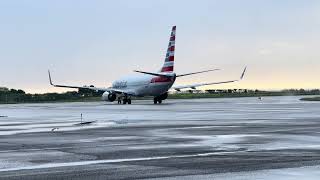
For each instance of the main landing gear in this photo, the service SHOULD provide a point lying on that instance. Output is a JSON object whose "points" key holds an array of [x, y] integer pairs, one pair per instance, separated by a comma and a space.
{"points": [[124, 100], [160, 98], [157, 100]]}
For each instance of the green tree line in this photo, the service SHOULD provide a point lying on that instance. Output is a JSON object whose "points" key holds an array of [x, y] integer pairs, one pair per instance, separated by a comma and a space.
{"points": [[20, 96]]}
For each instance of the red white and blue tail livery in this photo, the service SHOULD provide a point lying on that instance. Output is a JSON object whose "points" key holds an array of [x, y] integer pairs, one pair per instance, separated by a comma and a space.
{"points": [[156, 84], [168, 65]]}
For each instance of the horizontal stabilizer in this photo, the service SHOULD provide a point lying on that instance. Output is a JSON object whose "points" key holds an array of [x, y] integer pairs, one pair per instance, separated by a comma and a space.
{"points": [[156, 74]]}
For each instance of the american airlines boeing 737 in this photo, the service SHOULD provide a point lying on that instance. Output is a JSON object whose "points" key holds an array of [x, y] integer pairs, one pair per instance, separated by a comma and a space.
{"points": [[155, 84]]}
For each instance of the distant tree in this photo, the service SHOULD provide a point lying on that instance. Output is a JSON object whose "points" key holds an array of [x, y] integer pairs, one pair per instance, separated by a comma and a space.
{"points": [[211, 91], [3, 89], [19, 91], [13, 91], [302, 90], [315, 91]]}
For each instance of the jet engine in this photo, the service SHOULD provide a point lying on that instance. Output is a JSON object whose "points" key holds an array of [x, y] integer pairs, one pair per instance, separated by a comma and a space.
{"points": [[106, 96]]}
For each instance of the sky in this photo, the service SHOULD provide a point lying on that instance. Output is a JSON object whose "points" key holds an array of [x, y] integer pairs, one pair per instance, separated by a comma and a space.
{"points": [[95, 42]]}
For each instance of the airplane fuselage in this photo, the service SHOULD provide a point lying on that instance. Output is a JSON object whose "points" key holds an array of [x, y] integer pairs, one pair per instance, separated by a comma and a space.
{"points": [[144, 85]]}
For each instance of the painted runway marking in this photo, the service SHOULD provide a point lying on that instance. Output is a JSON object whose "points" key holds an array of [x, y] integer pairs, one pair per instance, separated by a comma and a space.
{"points": [[82, 163]]}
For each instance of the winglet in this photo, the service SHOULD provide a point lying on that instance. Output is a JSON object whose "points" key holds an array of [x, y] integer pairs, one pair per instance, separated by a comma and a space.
{"points": [[244, 71], [50, 78]]}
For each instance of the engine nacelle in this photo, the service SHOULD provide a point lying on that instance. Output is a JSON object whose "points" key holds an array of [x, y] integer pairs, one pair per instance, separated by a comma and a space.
{"points": [[106, 96]]}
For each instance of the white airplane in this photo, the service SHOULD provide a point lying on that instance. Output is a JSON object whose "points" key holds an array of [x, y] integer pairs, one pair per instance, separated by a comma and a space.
{"points": [[156, 84]]}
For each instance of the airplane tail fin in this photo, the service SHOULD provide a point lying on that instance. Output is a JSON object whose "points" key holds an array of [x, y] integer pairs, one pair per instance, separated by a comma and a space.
{"points": [[169, 61]]}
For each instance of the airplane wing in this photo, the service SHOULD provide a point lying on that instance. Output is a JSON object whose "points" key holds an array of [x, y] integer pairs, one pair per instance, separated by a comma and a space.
{"points": [[180, 75], [119, 91], [193, 86]]}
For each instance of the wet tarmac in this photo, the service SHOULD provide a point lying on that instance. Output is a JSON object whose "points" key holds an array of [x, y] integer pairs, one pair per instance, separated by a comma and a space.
{"points": [[234, 138]]}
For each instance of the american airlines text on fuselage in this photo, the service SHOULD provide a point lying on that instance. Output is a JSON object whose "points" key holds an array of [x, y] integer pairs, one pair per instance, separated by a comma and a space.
{"points": [[119, 84]]}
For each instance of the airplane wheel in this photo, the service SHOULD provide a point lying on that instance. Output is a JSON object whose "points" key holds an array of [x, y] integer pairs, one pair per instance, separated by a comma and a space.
{"points": [[159, 101], [129, 101], [155, 101], [124, 101]]}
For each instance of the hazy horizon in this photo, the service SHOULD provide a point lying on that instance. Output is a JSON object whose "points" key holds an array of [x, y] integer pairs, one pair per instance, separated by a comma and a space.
{"points": [[96, 42]]}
